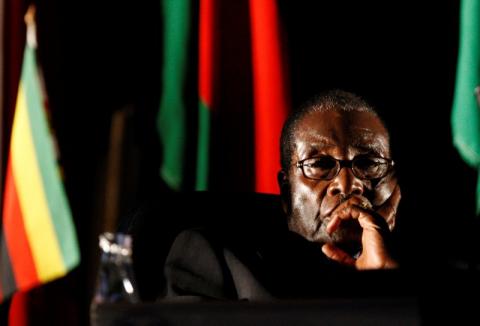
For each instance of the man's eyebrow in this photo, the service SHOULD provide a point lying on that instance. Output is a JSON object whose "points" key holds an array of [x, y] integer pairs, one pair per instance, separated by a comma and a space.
{"points": [[370, 147], [370, 141], [315, 145]]}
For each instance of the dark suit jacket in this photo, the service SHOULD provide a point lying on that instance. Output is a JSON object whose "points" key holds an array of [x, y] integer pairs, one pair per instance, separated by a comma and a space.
{"points": [[242, 221], [211, 264]]}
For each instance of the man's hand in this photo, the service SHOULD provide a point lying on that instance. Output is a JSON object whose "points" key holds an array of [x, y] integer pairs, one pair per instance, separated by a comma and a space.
{"points": [[376, 224]]}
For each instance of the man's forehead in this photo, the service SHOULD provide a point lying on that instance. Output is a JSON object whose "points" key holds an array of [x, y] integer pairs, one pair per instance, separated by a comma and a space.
{"points": [[377, 145], [357, 130]]}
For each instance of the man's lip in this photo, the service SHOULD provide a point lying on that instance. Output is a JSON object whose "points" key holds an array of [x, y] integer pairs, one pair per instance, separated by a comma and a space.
{"points": [[328, 207]]}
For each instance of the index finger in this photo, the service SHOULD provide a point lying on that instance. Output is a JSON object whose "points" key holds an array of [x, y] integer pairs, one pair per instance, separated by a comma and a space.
{"points": [[365, 216]]}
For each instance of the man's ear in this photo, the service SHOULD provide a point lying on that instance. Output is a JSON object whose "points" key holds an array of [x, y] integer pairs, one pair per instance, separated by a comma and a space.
{"points": [[285, 193]]}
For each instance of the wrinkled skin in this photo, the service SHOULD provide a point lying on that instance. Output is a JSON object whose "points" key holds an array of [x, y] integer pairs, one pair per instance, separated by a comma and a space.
{"points": [[348, 216]]}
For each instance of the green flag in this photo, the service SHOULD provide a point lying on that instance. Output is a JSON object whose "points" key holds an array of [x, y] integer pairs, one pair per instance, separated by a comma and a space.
{"points": [[171, 115], [466, 110]]}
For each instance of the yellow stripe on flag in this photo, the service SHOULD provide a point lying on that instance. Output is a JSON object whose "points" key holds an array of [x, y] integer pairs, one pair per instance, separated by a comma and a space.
{"points": [[28, 180]]}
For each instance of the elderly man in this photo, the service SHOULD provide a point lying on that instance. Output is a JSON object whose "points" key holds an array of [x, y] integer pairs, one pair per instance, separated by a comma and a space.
{"points": [[340, 198]]}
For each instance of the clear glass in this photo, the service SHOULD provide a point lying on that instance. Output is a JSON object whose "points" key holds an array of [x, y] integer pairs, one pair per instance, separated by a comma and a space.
{"points": [[116, 279]]}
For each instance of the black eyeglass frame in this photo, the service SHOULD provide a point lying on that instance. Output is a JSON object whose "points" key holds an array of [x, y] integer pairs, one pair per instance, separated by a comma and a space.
{"points": [[346, 163]]}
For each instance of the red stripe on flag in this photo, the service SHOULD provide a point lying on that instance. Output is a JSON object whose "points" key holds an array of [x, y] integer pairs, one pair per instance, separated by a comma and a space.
{"points": [[18, 313], [21, 257], [270, 98], [206, 51]]}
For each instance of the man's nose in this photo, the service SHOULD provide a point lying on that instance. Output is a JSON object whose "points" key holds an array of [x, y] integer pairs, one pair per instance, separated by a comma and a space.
{"points": [[345, 183]]}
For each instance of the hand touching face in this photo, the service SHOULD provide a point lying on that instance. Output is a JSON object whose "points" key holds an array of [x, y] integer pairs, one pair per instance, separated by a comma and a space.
{"points": [[375, 223], [346, 212]]}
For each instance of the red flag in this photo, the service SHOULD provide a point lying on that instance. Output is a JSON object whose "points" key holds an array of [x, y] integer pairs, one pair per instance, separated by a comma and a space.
{"points": [[270, 97]]}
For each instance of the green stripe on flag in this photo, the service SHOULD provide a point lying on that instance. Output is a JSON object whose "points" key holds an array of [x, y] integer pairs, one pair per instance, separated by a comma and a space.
{"points": [[203, 147], [47, 161], [8, 285], [465, 112], [171, 115]]}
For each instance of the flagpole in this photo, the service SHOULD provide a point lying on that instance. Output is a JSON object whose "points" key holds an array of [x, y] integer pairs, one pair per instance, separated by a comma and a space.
{"points": [[31, 27]]}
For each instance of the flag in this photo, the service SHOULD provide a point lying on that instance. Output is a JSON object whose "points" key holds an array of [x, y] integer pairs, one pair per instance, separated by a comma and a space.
{"points": [[270, 93], [466, 111], [38, 240], [207, 55], [171, 116], [266, 88]]}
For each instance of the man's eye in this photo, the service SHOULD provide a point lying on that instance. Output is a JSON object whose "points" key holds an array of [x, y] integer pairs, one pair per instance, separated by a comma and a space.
{"points": [[366, 163], [370, 165], [323, 163]]}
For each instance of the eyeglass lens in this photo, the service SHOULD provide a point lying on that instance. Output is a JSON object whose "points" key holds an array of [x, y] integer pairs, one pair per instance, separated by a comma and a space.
{"points": [[326, 167]]}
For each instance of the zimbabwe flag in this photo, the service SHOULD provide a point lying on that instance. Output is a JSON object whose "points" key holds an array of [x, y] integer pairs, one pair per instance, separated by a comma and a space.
{"points": [[38, 240]]}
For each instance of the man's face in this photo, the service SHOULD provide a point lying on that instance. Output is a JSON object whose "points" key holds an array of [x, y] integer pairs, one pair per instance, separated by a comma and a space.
{"points": [[343, 136]]}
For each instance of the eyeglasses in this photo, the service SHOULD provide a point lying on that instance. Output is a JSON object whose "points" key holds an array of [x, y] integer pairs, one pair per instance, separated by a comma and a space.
{"points": [[363, 167]]}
